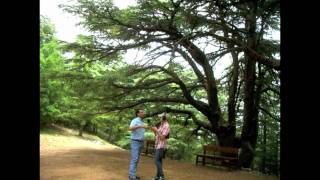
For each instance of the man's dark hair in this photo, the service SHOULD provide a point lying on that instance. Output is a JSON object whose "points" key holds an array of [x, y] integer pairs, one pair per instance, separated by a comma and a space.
{"points": [[137, 111]]}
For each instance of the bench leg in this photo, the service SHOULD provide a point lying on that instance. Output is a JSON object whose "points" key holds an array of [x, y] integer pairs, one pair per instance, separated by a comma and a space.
{"points": [[198, 160], [147, 150]]}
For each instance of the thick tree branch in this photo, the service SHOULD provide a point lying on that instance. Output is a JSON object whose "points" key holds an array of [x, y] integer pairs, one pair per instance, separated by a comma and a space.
{"points": [[142, 101], [147, 84], [189, 113], [191, 63], [268, 113], [272, 63], [201, 106]]}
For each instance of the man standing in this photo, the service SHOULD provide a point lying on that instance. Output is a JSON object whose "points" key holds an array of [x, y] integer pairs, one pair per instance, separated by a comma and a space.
{"points": [[137, 137]]}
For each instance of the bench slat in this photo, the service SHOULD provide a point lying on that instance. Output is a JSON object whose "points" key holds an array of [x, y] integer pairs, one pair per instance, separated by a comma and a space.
{"points": [[218, 153]]}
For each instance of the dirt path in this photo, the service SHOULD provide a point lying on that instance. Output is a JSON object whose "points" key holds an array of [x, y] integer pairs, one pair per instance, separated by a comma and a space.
{"points": [[69, 157]]}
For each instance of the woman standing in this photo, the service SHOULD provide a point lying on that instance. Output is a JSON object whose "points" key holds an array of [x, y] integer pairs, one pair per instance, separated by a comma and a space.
{"points": [[160, 145]]}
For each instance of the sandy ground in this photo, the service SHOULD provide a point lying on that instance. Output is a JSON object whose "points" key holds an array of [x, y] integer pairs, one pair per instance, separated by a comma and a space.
{"points": [[68, 157]]}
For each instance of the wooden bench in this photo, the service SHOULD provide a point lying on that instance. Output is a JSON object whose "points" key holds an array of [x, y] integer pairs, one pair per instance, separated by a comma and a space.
{"points": [[149, 147], [227, 156]]}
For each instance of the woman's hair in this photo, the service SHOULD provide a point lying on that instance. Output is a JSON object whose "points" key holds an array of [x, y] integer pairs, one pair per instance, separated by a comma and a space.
{"points": [[164, 117]]}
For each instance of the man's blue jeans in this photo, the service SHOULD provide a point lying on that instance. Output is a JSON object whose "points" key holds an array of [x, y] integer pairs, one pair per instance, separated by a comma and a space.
{"points": [[158, 161], [136, 148]]}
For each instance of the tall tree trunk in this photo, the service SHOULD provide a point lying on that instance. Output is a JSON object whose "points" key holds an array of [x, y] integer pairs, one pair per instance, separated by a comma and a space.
{"points": [[81, 130], [252, 136], [277, 153], [233, 91], [232, 100], [226, 137], [249, 130], [233, 82], [95, 128], [264, 147], [81, 127]]}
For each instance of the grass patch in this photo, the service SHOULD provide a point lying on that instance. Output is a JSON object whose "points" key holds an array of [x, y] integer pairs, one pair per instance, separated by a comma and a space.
{"points": [[57, 130]]}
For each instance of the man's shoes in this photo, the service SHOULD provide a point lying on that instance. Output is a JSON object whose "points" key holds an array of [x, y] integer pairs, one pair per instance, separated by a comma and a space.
{"points": [[134, 178]]}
